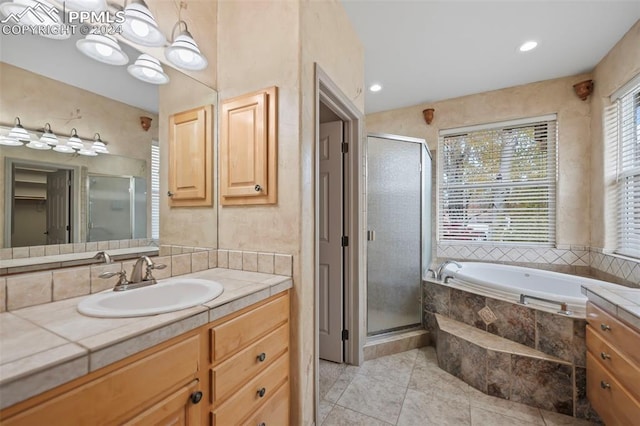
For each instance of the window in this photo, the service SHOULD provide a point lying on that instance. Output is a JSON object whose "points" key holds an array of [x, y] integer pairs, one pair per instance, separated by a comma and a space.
{"points": [[627, 135], [155, 191], [497, 183]]}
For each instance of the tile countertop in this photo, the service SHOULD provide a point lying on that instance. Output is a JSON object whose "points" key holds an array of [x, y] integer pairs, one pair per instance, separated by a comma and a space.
{"points": [[47, 345], [624, 302]]}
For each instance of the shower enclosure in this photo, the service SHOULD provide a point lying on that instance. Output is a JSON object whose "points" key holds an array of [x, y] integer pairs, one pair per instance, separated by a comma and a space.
{"points": [[399, 230]]}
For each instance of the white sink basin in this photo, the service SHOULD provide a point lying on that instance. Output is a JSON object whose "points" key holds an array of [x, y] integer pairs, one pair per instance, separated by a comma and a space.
{"points": [[168, 295]]}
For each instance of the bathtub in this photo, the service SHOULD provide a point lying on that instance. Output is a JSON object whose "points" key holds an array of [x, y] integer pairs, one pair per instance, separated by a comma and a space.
{"points": [[519, 284]]}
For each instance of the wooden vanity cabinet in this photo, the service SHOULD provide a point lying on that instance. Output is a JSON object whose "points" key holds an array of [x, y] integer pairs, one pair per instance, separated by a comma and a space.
{"points": [[232, 371], [613, 367], [248, 148]]}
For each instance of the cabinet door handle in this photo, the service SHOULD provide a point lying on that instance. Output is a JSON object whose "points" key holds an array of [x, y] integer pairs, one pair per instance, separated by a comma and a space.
{"points": [[605, 355], [262, 357], [604, 385], [169, 194], [262, 424], [262, 392], [605, 327], [196, 397], [258, 188]]}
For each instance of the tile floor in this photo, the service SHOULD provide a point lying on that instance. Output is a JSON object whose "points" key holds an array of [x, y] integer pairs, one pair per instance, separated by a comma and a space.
{"points": [[409, 389]]}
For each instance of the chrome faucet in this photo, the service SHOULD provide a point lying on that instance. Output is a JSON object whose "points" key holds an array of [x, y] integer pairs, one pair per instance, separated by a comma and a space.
{"points": [[137, 280], [103, 255], [437, 273]]}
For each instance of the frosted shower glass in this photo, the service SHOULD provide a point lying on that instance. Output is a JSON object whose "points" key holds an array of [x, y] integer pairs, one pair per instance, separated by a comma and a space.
{"points": [[394, 204], [109, 208]]}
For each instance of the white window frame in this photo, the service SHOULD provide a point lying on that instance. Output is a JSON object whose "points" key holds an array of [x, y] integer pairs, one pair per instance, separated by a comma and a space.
{"points": [[545, 239], [622, 128]]}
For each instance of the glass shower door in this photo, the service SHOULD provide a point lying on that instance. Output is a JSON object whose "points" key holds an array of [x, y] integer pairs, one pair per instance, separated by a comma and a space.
{"points": [[394, 223], [109, 208]]}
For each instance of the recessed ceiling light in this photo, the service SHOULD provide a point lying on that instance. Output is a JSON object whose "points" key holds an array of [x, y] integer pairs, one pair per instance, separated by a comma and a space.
{"points": [[375, 87], [528, 45]]}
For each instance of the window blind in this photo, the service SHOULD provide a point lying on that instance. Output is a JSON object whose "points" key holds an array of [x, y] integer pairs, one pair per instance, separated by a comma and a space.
{"points": [[627, 133], [498, 184], [155, 191]]}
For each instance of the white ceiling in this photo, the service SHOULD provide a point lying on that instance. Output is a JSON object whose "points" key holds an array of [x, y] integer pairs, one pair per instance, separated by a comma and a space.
{"points": [[423, 51]]}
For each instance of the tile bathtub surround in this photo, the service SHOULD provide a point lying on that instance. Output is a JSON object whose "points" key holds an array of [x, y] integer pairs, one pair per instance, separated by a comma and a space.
{"points": [[40, 344], [423, 395]]}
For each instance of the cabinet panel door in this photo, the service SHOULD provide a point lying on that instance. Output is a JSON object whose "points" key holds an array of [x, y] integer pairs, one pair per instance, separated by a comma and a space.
{"points": [[190, 157], [248, 160], [175, 410]]}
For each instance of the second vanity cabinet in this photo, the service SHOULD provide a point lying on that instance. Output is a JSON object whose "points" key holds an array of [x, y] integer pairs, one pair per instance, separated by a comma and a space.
{"points": [[234, 370], [613, 367]]}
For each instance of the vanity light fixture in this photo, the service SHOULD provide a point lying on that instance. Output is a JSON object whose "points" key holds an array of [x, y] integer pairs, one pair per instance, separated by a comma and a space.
{"points": [[148, 69], [98, 146], [17, 136], [48, 136], [74, 141], [184, 52], [140, 26], [35, 12], [103, 48]]}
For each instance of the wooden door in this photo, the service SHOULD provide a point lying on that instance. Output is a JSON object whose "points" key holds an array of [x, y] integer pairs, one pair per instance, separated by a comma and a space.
{"points": [[248, 149], [190, 157], [58, 213], [330, 213]]}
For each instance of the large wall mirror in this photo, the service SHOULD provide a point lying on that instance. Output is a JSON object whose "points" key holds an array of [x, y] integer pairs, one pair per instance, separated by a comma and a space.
{"points": [[50, 197]]}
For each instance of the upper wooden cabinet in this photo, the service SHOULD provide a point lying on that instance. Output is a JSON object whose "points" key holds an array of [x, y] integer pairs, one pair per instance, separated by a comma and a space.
{"points": [[191, 158], [248, 149]]}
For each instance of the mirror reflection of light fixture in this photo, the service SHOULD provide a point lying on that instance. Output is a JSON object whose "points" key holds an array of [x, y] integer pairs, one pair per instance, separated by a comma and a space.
{"points": [[36, 12], [38, 145], [148, 69], [98, 146], [74, 141], [184, 52], [88, 152], [17, 135], [48, 136], [91, 5], [103, 48], [140, 26], [64, 148]]}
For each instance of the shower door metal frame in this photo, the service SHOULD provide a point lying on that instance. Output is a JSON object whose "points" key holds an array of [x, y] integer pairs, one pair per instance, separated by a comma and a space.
{"points": [[424, 204]]}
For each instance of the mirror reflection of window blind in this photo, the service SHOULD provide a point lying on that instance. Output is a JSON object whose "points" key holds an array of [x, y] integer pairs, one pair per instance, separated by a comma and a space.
{"points": [[497, 183], [624, 130], [155, 190]]}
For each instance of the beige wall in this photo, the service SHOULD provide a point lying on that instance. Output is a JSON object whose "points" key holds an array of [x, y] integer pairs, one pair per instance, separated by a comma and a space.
{"points": [[187, 226], [530, 100], [38, 100], [619, 66]]}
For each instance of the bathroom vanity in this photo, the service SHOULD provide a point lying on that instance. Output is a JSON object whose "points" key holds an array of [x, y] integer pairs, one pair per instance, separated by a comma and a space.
{"points": [[227, 362], [613, 360]]}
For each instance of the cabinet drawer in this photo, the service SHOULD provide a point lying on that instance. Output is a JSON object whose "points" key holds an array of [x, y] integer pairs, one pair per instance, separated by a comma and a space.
{"points": [[234, 335], [248, 398], [275, 412], [608, 397], [248, 363], [117, 395], [627, 373], [614, 332]]}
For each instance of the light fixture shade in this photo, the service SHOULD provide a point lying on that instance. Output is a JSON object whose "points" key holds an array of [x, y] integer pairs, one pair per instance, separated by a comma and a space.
{"points": [[38, 145], [64, 148], [140, 26], [87, 152], [103, 48], [91, 5], [99, 146], [148, 69], [34, 12], [48, 136], [18, 134], [184, 53], [7, 141], [74, 141]]}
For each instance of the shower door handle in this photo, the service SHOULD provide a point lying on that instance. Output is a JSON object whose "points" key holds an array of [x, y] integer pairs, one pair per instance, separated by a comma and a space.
{"points": [[371, 235]]}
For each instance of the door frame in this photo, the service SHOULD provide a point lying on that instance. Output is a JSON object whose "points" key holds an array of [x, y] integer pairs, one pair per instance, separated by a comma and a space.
{"points": [[73, 202], [327, 92]]}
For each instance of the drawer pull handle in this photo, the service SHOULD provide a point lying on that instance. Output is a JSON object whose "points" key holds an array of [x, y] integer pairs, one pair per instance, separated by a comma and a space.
{"points": [[605, 327], [604, 385], [262, 392], [262, 424], [605, 355], [262, 357], [196, 397]]}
